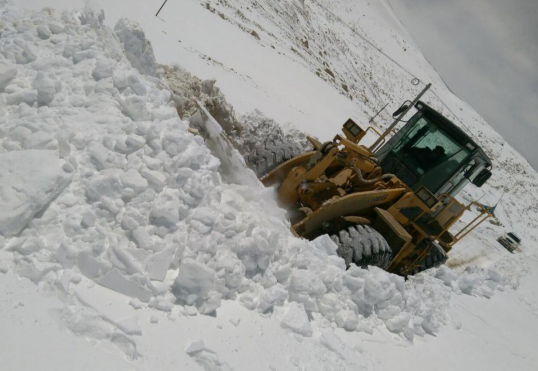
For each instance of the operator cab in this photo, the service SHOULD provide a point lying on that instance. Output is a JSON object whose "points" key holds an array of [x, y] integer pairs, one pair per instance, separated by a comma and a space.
{"points": [[431, 151]]}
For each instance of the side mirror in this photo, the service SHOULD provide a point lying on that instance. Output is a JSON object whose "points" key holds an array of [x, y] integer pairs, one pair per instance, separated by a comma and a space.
{"points": [[400, 110], [482, 178]]}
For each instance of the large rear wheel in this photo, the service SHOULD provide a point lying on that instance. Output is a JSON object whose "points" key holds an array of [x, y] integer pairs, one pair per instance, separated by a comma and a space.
{"points": [[265, 145], [363, 246], [270, 153]]}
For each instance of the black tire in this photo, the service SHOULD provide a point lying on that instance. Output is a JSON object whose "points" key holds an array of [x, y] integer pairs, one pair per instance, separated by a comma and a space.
{"points": [[363, 246], [264, 144], [270, 153], [435, 258]]}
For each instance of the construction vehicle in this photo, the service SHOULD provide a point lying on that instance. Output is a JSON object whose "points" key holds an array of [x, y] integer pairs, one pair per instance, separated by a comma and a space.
{"points": [[391, 204], [510, 241]]}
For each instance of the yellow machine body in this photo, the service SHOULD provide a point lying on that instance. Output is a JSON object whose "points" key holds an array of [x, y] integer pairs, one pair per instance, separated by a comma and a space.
{"points": [[341, 182]]}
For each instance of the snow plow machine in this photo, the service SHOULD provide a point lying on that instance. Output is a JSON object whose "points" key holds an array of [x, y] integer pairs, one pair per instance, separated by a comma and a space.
{"points": [[389, 205]]}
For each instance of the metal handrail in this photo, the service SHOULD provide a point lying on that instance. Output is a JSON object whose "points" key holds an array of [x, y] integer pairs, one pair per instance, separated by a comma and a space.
{"points": [[471, 226], [379, 142]]}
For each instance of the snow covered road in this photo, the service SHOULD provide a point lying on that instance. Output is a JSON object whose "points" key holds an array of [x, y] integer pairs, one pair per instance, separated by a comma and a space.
{"points": [[484, 334]]}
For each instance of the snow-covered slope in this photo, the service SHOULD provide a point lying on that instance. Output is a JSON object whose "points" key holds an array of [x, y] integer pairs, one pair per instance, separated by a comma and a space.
{"points": [[149, 251]]}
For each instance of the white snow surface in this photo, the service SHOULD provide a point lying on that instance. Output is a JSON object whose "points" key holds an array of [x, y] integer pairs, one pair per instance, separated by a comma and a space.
{"points": [[29, 180], [137, 244]]}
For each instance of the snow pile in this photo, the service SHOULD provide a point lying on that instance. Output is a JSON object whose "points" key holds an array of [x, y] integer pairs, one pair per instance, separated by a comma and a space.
{"points": [[256, 125], [245, 131], [187, 89], [146, 212]]}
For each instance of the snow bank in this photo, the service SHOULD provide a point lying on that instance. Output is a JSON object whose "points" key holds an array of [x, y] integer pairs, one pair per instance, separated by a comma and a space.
{"points": [[146, 213]]}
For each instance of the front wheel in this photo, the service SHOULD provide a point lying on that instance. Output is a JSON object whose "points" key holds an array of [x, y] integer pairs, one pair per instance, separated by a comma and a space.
{"points": [[435, 257]]}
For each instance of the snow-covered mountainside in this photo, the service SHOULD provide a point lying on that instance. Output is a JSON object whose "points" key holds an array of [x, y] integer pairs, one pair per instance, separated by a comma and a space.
{"points": [[121, 221]]}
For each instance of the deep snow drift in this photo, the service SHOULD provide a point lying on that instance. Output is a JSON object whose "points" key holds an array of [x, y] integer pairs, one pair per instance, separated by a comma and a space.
{"points": [[104, 187]]}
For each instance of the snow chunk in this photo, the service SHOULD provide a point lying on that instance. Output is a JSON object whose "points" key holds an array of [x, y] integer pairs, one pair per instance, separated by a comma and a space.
{"points": [[399, 322], [378, 286], [25, 52], [165, 215], [132, 179], [142, 238], [468, 283], [155, 178], [193, 282], [446, 275], [56, 27], [163, 304], [138, 49], [136, 303], [43, 32], [92, 15], [46, 88], [91, 267], [28, 246], [29, 180], [102, 70], [7, 74], [189, 310], [116, 281], [195, 346], [276, 294], [20, 134], [38, 140], [107, 185], [158, 265], [325, 244], [102, 158], [130, 326], [212, 303], [296, 320]]}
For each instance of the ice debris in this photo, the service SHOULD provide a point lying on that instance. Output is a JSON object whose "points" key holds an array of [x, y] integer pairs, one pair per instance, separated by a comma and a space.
{"points": [[29, 180], [205, 358], [130, 326], [195, 347], [296, 320]]}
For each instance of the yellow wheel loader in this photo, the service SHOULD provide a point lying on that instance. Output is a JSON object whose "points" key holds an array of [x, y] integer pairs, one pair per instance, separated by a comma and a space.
{"points": [[391, 204]]}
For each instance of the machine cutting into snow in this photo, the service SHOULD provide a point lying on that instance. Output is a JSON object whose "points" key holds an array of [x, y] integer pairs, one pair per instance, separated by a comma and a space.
{"points": [[391, 204]]}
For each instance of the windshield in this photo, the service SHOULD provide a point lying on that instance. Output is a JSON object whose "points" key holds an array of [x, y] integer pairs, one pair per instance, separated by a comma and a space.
{"points": [[430, 154], [513, 236]]}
